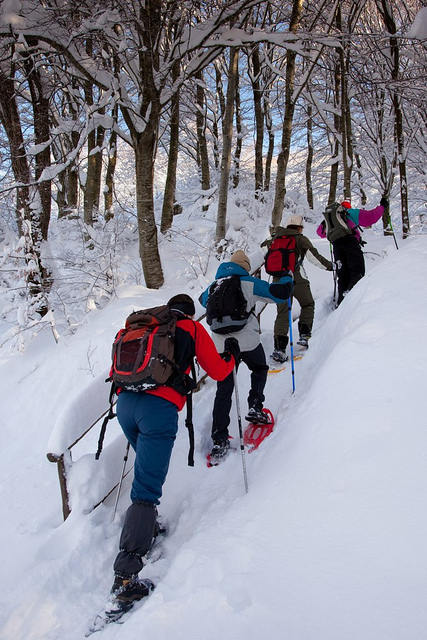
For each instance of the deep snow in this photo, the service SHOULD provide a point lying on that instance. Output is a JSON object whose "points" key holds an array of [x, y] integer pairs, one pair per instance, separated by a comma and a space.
{"points": [[329, 542]]}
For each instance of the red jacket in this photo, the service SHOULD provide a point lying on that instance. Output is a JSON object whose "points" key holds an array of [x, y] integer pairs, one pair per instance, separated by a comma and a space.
{"points": [[192, 340]]}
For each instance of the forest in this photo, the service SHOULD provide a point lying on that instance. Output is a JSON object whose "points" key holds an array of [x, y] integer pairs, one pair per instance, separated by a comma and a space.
{"points": [[190, 101]]}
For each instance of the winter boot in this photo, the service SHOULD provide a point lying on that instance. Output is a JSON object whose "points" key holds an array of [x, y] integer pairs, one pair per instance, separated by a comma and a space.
{"points": [[279, 353], [219, 449], [257, 416], [126, 591], [303, 340]]}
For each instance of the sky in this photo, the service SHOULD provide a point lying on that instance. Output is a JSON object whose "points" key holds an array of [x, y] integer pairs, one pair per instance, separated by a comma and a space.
{"points": [[328, 543]]}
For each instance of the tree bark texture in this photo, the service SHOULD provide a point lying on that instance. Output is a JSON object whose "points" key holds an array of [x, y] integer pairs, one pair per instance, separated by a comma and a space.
{"points": [[170, 185], [283, 158], [226, 146]]}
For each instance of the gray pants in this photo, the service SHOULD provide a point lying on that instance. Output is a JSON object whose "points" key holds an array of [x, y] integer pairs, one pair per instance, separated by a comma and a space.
{"points": [[302, 293]]}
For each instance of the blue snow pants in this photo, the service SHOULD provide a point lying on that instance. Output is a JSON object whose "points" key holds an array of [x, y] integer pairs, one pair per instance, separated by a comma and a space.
{"points": [[150, 424]]}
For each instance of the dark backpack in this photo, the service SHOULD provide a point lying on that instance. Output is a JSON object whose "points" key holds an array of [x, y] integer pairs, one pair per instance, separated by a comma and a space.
{"points": [[226, 309], [336, 222], [143, 352], [281, 256]]}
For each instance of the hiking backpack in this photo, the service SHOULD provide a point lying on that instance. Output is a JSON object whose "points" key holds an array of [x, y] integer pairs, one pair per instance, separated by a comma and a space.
{"points": [[143, 358], [281, 256], [143, 352], [226, 309], [336, 222]]}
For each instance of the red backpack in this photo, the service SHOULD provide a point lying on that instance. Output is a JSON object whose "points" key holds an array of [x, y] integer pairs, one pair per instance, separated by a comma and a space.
{"points": [[143, 352], [281, 256]]}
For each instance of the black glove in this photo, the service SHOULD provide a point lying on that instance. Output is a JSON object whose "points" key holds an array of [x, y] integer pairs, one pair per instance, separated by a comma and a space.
{"points": [[232, 346], [384, 202]]}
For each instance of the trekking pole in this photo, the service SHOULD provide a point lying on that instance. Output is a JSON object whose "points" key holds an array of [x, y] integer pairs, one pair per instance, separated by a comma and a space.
{"points": [[334, 274], [239, 420], [391, 227], [119, 488], [291, 340]]}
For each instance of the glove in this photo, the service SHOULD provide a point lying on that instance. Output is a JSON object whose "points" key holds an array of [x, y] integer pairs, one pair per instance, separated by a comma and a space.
{"points": [[288, 278], [232, 346], [384, 202]]}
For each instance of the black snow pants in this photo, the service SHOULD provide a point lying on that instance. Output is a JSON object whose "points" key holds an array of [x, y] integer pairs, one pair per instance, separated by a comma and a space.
{"points": [[256, 363], [350, 264]]}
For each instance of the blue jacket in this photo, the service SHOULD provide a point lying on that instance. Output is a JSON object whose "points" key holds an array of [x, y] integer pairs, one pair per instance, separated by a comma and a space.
{"points": [[254, 290]]}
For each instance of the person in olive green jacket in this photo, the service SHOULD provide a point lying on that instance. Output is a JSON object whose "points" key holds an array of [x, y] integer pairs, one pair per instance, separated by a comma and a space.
{"points": [[302, 291]]}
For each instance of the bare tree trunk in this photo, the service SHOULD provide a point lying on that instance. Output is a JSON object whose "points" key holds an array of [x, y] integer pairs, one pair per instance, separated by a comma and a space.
{"points": [[32, 222], [170, 186], [226, 146], [333, 183], [270, 150], [145, 147], [283, 158], [202, 145], [40, 106], [255, 74], [310, 156], [386, 10], [238, 151], [109, 174], [345, 114], [9, 116]]}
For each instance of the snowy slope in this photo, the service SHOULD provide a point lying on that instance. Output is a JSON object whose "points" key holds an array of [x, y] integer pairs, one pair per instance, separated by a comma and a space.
{"points": [[329, 542]]}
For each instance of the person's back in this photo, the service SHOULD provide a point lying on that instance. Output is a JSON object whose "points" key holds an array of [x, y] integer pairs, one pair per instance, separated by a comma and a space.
{"points": [[251, 350], [302, 292], [149, 419], [347, 248]]}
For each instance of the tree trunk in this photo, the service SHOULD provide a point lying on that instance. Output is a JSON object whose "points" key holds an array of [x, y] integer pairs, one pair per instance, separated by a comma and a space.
{"points": [[283, 158], [226, 146], [9, 116], [92, 185], [238, 151], [270, 150], [310, 156], [145, 148], [170, 186], [386, 11], [333, 183], [32, 223], [109, 175], [255, 75], [202, 145]]}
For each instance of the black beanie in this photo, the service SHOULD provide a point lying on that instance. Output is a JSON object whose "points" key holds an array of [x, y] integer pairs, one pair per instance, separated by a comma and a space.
{"points": [[182, 303]]}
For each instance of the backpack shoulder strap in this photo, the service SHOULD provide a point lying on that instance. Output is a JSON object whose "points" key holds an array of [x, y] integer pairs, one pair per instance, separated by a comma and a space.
{"points": [[189, 418]]}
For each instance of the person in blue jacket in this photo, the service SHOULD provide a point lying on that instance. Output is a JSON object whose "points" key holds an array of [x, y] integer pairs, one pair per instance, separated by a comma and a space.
{"points": [[251, 350]]}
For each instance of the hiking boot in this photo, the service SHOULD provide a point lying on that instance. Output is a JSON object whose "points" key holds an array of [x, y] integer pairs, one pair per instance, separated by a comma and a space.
{"points": [[303, 341], [257, 416], [219, 449], [279, 356], [126, 591]]}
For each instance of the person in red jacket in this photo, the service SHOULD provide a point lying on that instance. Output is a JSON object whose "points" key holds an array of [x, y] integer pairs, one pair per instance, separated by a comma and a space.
{"points": [[348, 252], [149, 420]]}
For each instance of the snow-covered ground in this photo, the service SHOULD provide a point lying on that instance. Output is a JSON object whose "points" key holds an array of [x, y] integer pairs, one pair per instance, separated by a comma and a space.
{"points": [[330, 541]]}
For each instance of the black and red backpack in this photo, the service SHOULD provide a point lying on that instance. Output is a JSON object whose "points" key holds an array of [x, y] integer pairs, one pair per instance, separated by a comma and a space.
{"points": [[281, 257]]}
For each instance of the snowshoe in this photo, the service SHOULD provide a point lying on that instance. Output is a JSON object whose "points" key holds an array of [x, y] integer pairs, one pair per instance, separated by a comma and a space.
{"points": [[255, 432]]}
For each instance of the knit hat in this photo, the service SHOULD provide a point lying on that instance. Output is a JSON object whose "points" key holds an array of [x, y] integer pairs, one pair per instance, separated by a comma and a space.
{"points": [[295, 221], [346, 204], [240, 258], [183, 303]]}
